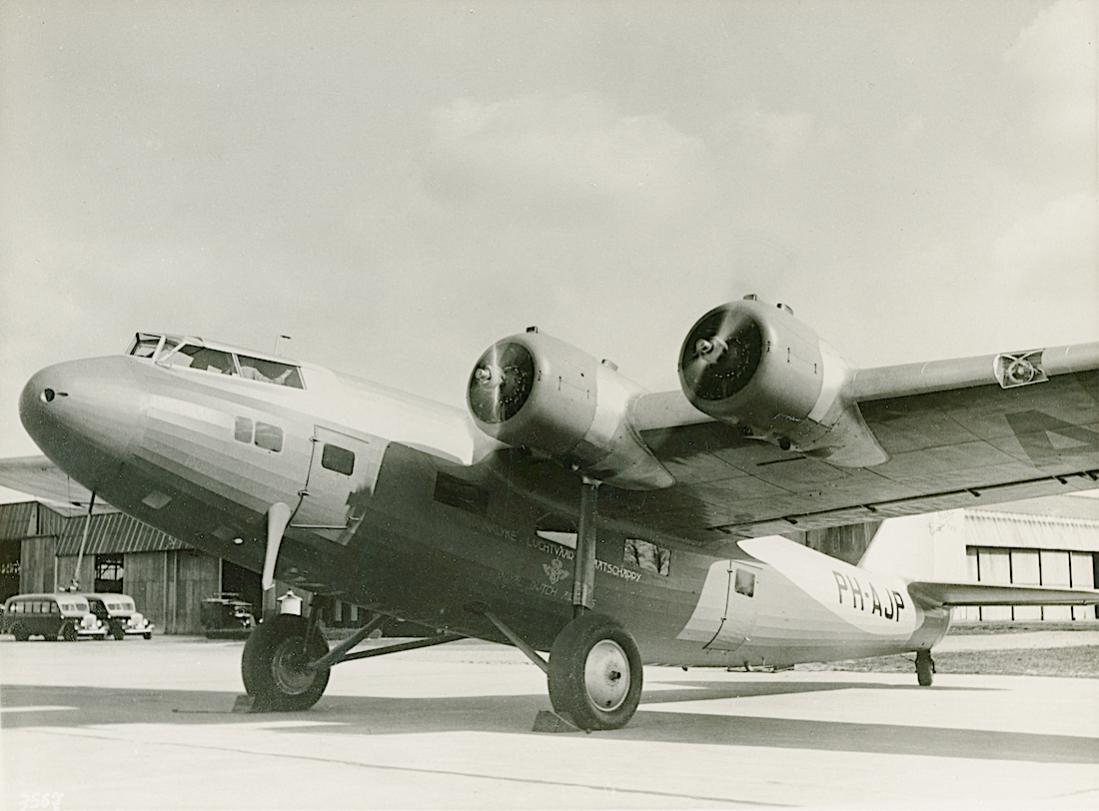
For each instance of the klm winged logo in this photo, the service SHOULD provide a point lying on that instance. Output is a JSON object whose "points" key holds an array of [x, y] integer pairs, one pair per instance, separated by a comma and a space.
{"points": [[555, 571]]}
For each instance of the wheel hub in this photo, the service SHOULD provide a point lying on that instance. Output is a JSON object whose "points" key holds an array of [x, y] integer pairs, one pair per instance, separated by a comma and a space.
{"points": [[607, 675], [288, 666]]}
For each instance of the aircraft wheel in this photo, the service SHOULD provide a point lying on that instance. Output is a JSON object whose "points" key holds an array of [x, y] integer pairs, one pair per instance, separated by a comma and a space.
{"points": [[925, 668], [68, 633], [19, 631], [595, 673], [272, 666]]}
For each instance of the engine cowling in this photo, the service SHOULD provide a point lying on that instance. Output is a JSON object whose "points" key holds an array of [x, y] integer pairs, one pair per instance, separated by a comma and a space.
{"points": [[534, 391], [758, 368]]}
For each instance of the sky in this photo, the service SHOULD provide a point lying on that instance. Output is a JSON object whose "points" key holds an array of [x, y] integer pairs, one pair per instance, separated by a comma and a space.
{"points": [[398, 185]]}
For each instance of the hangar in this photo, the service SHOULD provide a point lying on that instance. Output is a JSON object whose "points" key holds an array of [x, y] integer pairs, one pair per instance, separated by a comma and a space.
{"points": [[1051, 541]]}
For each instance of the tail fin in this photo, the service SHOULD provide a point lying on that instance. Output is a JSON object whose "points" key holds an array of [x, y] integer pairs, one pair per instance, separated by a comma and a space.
{"points": [[919, 547]]}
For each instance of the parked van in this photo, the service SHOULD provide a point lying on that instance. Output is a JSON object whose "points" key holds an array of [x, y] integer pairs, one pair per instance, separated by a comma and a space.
{"points": [[119, 615], [50, 616]]}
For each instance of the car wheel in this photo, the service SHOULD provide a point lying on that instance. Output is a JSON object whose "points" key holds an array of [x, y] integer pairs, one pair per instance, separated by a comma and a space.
{"points": [[147, 635], [595, 673], [68, 633], [20, 632], [117, 632], [272, 666]]}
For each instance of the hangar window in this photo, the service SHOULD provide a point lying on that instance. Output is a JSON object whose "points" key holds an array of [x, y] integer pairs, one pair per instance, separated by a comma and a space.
{"points": [[647, 556], [242, 430], [333, 457], [268, 437], [108, 573], [270, 371], [461, 494]]}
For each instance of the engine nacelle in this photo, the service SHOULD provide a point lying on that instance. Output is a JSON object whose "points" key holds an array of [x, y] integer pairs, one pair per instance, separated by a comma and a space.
{"points": [[531, 390], [760, 369]]}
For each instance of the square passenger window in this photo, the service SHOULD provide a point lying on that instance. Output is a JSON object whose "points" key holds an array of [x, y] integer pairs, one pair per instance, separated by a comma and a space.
{"points": [[338, 459], [242, 430], [647, 555], [268, 437]]}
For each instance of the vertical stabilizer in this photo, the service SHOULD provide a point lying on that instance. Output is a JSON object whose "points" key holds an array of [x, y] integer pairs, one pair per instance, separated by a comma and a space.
{"points": [[919, 547]]}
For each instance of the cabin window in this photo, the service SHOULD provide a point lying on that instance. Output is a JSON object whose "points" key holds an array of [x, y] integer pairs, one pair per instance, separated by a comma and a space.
{"points": [[242, 430], [745, 583], [461, 494], [270, 371], [268, 437], [53, 608], [647, 556], [202, 359], [108, 573], [333, 457]]}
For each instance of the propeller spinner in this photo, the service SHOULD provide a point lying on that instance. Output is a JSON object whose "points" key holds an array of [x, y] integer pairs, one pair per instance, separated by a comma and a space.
{"points": [[721, 354], [501, 383]]}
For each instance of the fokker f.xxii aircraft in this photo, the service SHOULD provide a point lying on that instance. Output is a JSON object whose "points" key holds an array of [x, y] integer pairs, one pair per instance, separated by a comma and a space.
{"points": [[568, 510]]}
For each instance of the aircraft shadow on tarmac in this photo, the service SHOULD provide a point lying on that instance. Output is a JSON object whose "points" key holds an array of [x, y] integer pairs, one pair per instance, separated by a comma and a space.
{"points": [[70, 707]]}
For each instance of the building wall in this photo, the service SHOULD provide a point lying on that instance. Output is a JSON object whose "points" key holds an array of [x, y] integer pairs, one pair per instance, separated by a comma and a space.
{"points": [[191, 578], [145, 579], [66, 567], [37, 569]]}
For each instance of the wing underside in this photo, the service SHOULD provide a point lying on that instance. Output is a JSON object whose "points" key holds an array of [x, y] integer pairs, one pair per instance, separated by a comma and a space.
{"points": [[947, 448]]}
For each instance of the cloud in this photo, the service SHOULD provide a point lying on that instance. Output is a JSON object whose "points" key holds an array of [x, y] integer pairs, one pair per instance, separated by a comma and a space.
{"points": [[564, 159], [775, 140], [1056, 56], [1053, 252]]}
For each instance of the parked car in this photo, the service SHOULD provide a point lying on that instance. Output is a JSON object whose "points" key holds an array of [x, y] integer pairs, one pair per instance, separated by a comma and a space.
{"points": [[119, 615], [226, 616], [50, 616]]}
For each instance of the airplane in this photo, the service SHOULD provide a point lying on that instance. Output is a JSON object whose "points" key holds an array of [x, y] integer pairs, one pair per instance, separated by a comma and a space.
{"points": [[567, 510]]}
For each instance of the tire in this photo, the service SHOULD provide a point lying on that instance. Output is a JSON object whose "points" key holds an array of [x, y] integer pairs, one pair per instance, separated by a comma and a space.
{"points": [[68, 632], [925, 668], [595, 673], [270, 666], [147, 635], [117, 631], [20, 632]]}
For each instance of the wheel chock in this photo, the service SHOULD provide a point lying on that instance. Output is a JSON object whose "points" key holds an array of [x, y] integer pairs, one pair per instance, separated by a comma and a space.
{"points": [[249, 704], [549, 721]]}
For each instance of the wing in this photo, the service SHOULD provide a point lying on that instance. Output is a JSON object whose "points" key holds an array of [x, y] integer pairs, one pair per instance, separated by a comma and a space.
{"points": [[933, 593], [956, 434], [39, 477]]}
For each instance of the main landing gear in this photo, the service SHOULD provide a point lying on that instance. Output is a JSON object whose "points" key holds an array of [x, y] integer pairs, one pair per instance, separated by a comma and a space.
{"points": [[594, 671], [925, 668]]}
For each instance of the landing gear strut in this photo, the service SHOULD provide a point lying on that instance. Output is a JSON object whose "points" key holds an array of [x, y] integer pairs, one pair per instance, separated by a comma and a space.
{"points": [[595, 670], [925, 668]]}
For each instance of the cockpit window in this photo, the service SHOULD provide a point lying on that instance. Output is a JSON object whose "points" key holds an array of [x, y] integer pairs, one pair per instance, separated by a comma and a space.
{"points": [[145, 346], [202, 358], [270, 371]]}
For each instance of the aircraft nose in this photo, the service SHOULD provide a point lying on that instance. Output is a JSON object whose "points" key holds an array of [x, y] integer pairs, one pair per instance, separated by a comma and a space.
{"points": [[85, 415]]}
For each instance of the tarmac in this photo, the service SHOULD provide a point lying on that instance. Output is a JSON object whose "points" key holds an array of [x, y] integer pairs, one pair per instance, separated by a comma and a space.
{"points": [[143, 724]]}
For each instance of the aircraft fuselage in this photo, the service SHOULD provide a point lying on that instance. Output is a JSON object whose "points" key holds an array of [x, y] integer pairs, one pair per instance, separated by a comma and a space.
{"points": [[401, 506]]}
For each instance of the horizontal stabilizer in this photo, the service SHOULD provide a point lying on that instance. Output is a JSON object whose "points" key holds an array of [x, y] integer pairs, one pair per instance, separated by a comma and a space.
{"points": [[933, 594]]}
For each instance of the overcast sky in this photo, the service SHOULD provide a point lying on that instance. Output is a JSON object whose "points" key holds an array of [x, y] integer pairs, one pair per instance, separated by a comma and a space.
{"points": [[397, 185]]}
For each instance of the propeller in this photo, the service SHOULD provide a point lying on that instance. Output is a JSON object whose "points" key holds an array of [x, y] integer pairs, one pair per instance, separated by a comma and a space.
{"points": [[721, 354], [501, 382]]}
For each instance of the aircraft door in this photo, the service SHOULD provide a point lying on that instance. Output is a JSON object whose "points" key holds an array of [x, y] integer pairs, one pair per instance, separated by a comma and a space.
{"points": [[740, 607], [342, 474], [726, 608]]}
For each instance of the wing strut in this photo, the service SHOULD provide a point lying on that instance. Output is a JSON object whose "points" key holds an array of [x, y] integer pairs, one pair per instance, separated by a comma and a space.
{"points": [[75, 584], [278, 516]]}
